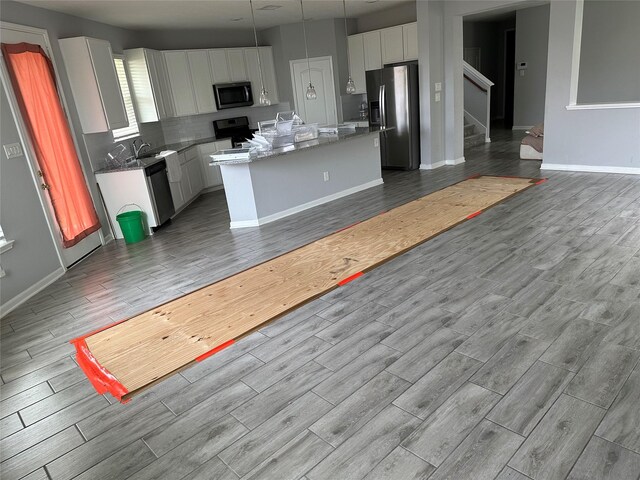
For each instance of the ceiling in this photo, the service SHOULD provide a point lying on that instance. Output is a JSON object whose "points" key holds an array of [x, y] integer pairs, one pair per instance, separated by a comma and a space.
{"points": [[204, 14]]}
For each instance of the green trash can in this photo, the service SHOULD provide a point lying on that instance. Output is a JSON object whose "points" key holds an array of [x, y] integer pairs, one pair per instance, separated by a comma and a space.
{"points": [[132, 226]]}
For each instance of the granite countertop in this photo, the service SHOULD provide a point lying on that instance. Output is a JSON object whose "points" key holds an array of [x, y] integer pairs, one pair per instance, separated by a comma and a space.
{"points": [[149, 155], [300, 146]]}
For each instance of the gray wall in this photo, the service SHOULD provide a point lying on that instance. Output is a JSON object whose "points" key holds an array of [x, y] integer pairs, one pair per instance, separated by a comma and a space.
{"points": [[324, 38], [389, 17], [195, 38], [33, 255], [532, 41], [59, 25], [431, 71], [610, 52], [583, 139]]}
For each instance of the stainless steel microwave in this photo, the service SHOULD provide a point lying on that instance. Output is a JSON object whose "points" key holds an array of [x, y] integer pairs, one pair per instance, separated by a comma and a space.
{"points": [[231, 95]]}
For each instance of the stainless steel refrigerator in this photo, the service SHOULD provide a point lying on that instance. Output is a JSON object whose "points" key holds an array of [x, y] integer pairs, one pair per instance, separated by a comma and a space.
{"points": [[392, 93]]}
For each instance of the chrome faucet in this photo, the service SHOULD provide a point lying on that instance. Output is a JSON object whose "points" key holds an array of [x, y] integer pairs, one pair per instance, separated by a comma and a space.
{"points": [[136, 149]]}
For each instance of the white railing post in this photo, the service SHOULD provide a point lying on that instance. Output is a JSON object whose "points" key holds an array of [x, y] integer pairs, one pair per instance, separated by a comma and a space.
{"points": [[478, 105]]}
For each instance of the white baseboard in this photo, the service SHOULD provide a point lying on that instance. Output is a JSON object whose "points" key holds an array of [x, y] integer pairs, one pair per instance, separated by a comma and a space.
{"points": [[433, 166], [457, 161], [522, 127], [304, 206], [107, 239], [22, 297], [590, 168]]}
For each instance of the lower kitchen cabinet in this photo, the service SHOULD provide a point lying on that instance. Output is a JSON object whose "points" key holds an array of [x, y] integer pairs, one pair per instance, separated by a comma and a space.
{"points": [[211, 174]]}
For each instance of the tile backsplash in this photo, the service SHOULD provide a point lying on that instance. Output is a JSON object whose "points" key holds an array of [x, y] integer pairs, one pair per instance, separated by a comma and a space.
{"points": [[201, 126]]}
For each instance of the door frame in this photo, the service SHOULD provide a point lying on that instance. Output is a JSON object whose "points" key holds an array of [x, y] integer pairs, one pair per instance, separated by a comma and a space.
{"points": [[29, 151], [333, 79]]}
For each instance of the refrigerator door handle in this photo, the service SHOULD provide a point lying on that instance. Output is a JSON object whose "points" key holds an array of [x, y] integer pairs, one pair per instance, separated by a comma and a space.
{"points": [[381, 101]]}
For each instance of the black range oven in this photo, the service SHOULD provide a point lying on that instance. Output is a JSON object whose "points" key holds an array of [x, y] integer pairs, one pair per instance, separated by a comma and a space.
{"points": [[235, 128]]}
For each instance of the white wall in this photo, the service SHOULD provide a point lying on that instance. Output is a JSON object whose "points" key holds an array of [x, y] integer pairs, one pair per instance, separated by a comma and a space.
{"points": [[33, 256], [596, 140], [532, 42]]}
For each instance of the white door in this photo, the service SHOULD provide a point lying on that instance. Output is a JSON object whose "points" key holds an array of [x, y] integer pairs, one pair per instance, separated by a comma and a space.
{"points": [[323, 109], [12, 33]]}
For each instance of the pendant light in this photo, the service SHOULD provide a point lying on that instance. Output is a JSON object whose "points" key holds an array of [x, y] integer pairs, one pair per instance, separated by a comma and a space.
{"points": [[264, 95], [351, 85], [311, 90]]}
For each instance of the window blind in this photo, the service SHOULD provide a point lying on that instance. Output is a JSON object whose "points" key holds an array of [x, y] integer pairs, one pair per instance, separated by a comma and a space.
{"points": [[132, 129]]}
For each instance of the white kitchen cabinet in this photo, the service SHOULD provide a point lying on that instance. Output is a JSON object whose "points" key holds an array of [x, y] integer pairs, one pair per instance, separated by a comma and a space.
{"points": [[392, 45], [180, 83], [211, 173], [94, 83], [356, 60], [372, 50], [268, 72], [146, 90], [410, 41], [202, 80], [194, 173], [163, 82], [219, 66], [237, 66]]}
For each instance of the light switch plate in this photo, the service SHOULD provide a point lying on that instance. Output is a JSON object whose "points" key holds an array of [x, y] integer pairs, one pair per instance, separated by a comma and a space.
{"points": [[13, 150], [438, 87]]}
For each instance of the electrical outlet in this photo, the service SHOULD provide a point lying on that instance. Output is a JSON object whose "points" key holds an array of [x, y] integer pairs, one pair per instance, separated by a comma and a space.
{"points": [[376, 142], [13, 150], [326, 176], [438, 86], [437, 96]]}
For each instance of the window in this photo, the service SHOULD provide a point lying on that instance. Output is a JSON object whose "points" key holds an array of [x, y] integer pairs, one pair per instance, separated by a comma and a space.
{"points": [[132, 130]]}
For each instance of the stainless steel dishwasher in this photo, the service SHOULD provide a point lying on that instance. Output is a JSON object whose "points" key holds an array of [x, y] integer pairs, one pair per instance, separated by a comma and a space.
{"points": [[159, 191]]}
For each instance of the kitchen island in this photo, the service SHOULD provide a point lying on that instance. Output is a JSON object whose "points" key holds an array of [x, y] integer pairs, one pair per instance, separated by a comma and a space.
{"points": [[287, 180]]}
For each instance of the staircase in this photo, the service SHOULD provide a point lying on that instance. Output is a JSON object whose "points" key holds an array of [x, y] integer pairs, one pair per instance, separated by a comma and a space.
{"points": [[471, 136], [477, 106]]}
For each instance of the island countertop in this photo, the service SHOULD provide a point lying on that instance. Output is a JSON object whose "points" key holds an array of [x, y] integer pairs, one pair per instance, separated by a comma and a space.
{"points": [[300, 146]]}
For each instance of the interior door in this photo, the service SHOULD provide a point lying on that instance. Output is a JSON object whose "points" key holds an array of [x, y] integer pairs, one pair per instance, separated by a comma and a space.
{"points": [[323, 109], [12, 33]]}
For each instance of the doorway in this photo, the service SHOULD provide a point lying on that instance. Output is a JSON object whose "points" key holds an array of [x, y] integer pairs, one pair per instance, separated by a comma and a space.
{"points": [[13, 33], [323, 109], [509, 73]]}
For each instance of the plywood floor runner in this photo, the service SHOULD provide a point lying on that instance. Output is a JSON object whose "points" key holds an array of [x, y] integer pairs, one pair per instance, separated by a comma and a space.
{"points": [[129, 356]]}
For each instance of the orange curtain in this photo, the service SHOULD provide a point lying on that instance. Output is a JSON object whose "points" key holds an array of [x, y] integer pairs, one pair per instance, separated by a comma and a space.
{"points": [[33, 80]]}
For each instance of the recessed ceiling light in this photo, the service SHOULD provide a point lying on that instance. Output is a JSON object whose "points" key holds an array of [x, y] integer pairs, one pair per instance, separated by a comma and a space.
{"points": [[269, 7]]}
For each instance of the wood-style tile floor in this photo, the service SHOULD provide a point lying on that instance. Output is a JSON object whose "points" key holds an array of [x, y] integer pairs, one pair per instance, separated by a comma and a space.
{"points": [[506, 348]]}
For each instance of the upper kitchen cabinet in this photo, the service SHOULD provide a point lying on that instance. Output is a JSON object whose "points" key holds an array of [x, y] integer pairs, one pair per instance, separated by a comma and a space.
{"points": [[149, 96], [94, 82], [237, 66], [268, 73], [392, 45], [202, 81], [356, 60], [180, 84], [410, 40], [372, 50], [219, 66]]}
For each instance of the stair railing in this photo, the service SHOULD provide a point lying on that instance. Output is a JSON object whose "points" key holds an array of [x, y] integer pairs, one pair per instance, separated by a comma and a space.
{"points": [[477, 99]]}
